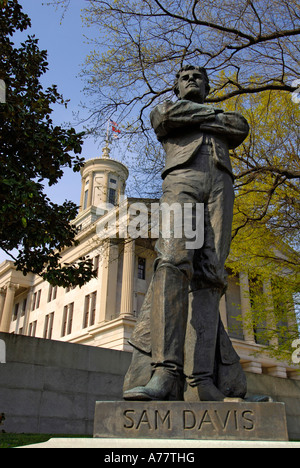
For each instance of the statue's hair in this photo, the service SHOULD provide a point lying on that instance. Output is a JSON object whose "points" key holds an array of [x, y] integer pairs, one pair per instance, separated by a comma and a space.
{"points": [[192, 67]]}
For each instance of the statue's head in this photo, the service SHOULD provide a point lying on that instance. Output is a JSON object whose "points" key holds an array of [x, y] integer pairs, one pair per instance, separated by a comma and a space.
{"points": [[192, 83]]}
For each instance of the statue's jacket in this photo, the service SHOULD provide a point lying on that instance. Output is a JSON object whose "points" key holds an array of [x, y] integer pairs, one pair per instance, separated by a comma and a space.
{"points": [[182, 128]]}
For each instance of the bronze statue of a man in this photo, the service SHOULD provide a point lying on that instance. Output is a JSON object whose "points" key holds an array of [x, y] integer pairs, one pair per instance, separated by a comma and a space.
{"points": [[181, 349]]}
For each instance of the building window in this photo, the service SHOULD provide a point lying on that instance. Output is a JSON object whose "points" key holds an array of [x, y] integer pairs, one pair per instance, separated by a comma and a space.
{"points": [[32, 328], [113, 181], [24, 304], [112, 196], [16, 311], [67, 319], [86, 194], [89, 310], [142, 268], [36, 300], [96, 264], [52, 293], [48, 327]]}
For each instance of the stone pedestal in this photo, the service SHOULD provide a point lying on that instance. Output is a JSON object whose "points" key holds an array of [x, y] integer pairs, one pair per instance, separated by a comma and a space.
{"points": [[183, 420]]}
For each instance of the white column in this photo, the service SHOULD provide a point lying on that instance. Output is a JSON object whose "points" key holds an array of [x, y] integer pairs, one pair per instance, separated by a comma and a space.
{"points": [[277, 371], [27, 311], [128, 279], [254, 367], [103, 282], [91, 189], [2, 300], [109, 278], [83, 182], [112, 282], [246, 306], [267, 290], [8, 307]]}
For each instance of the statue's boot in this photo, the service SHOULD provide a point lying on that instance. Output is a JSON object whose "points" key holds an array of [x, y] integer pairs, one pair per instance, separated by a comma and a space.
{"points": [[163, 385], [168, 324], [201, 346]]}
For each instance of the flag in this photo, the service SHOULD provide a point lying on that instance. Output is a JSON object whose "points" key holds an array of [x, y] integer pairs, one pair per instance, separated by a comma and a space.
{"points": [[115, 128]]}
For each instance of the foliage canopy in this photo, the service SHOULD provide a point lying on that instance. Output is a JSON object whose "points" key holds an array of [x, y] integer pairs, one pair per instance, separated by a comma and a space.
{"points": [[34, 152]]}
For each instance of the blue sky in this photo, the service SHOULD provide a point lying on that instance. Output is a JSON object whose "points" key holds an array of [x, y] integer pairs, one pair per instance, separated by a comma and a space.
{"points": [[67, 47], [66, 44]]}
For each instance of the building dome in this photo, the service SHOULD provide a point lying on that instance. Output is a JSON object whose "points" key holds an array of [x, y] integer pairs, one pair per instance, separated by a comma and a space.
{"points": [[103, 181]]}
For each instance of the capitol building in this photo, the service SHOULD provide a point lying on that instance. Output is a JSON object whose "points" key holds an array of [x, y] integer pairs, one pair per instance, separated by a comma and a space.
{"points": [[103, 313]]}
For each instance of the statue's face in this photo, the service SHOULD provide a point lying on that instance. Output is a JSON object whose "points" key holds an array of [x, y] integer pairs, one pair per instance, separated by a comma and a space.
{"points": [[192, 86]]}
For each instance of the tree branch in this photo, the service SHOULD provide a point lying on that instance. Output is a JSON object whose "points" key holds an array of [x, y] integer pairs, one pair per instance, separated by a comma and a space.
{"points": [[207, 24], [259, 89]]}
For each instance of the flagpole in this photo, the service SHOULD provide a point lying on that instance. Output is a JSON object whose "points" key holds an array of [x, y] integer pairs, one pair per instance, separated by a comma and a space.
{"points": [[106, 150], [107, 132]]}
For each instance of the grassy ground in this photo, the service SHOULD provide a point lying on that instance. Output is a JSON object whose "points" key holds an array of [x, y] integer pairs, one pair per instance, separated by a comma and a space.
{"points": [[18, 440]]}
